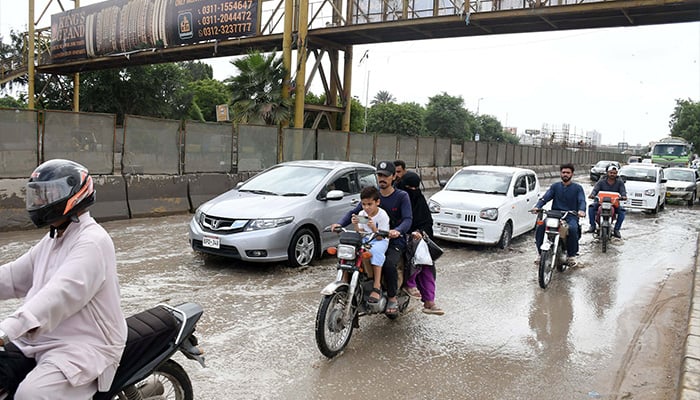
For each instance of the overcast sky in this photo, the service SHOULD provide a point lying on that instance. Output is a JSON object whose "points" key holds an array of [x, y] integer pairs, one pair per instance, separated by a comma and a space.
{"points": [[621, 82]]}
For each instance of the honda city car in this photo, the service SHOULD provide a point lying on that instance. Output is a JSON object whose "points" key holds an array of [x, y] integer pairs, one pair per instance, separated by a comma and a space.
{"points": [[646, 187], [279, 214], [682, 184], [599, 169], [486, 205]]}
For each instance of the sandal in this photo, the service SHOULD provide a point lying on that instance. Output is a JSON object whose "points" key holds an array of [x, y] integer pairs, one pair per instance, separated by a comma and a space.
{"points": [[434, 310], [392, 308], [374, 300], [412, 291]]}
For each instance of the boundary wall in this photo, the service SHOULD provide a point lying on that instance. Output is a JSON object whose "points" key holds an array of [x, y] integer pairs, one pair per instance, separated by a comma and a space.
{"points": [[151, 167]]}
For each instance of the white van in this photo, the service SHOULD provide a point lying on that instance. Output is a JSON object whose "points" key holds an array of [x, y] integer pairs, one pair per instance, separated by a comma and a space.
{"points": [[646, 187]]}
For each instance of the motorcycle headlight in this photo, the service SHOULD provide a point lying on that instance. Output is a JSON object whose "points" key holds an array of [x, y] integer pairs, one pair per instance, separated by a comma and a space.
{"points": [[552, 223], [434, 206], [346, 252], [268, 223], [606, 206], [490, 214], [650, 192]]}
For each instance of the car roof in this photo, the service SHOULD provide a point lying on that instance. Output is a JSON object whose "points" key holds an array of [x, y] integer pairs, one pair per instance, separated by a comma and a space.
{"points": [[640, 166], [681, 169], [331, 164], [496, 168]]}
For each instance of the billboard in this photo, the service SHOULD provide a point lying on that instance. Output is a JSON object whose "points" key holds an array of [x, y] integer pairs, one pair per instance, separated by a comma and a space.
{"points": [[124, 26]]}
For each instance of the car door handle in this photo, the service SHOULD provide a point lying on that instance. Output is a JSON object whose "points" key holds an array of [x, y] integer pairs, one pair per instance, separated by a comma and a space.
{"points": [[354, 202]]}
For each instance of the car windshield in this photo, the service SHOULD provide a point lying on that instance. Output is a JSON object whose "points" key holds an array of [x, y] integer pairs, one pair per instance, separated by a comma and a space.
{"points": [[639, 174], [602, 164], [680, 175], [480, 181], [286, 179]]}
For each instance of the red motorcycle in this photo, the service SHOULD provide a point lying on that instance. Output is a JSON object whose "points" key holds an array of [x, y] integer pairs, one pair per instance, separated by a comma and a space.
{"points": [[605, 216]]}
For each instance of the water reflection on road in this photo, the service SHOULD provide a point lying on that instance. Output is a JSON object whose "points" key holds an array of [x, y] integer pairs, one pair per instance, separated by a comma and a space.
{"points": [[502, 337]]}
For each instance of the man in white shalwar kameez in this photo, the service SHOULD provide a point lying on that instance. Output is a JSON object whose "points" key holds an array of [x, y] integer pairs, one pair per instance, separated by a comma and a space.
{"points": [[71, 321]]}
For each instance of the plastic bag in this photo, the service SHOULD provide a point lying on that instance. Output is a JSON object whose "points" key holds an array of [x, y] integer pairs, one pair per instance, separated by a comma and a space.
{"points": [[422, 254]]}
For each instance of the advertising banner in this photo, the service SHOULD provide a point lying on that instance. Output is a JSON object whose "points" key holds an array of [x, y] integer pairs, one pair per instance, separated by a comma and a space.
{"points": [[124, 26]]}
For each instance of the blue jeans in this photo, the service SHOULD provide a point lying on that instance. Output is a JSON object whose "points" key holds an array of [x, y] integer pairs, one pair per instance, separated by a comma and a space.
{"points": [[571, 239], [619, 214]]}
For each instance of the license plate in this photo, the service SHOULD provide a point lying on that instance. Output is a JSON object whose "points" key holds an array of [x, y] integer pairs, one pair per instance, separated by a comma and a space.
{"points": [[210, 241], [449, 230]]}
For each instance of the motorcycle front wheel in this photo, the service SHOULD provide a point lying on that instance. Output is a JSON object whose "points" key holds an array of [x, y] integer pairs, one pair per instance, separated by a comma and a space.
{"points": [[546, 268], [604, 237], [168, 381], [332, 330]]}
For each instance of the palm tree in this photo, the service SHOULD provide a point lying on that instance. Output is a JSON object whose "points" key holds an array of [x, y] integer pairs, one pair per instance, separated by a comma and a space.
{"points": [[383, 97], [257, 90]]}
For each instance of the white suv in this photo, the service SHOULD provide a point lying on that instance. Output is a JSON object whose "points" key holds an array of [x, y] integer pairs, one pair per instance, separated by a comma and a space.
{"points": [[646, 187]]}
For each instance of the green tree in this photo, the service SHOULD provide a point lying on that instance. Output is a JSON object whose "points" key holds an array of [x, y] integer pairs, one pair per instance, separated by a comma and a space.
{"points": [[197, 70], [158, 90], [383, 97], [685, 121], [402, 119], [491, 130], [11, 102], [208, 93], [257, 90], [445, 116]]}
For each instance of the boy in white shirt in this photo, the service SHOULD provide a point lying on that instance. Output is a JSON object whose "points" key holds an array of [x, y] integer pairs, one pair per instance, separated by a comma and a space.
{"points": [[372, 219]]}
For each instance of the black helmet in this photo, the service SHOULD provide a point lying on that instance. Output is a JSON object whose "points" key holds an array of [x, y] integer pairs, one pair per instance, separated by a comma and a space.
{"points": [[58, 189]]}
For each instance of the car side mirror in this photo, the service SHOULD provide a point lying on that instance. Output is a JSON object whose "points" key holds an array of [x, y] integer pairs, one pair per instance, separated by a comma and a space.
{"points": [[335, 195], [239, 184], [664, 180], [519, 191], [442, 183]]}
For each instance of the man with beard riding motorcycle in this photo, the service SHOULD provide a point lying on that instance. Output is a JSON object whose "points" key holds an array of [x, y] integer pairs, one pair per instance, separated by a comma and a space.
{"points": [[612, 183], [397, 204], [565, 196], [66, 339]]}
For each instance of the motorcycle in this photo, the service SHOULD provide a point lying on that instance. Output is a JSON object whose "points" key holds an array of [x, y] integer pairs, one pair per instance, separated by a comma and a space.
{"points": [[553, 248], [146, 371], [346, 299], [605, 216]]}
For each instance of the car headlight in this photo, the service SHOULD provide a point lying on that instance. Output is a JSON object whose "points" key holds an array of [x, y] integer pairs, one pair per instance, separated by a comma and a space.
{"points": [[489, 213], [268, 223], [198, 215], [650, 192], [690, 189], [434, 206]]}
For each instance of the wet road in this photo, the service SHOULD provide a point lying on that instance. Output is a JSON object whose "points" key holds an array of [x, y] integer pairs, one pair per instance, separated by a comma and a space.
{"points": [[612, 328]]}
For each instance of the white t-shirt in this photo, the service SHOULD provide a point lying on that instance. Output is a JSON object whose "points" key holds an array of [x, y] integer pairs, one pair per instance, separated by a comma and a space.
{"points": [[381, 221]]}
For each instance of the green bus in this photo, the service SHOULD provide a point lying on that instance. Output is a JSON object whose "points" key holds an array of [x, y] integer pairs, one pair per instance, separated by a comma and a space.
{"points": [[672, 152]]}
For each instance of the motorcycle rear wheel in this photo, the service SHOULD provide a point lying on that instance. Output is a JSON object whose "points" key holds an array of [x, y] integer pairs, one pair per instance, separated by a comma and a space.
{"points": [[544, 275], [332, 331], [168, 381]]}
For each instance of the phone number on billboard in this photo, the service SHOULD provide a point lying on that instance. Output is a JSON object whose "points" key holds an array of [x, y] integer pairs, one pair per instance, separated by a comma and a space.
{"points": [[226, 7], [226, 29], [226, 17]]}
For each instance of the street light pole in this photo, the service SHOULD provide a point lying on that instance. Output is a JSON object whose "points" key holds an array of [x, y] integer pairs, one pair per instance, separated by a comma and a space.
{"points": [[366, 101], [478, 102]]}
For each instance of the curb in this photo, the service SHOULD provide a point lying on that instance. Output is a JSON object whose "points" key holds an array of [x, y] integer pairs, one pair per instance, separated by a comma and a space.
{"points": [[689, 381]]}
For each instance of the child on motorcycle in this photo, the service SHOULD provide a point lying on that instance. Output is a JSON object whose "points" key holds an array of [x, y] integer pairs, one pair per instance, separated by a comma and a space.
{"points": [[372, 219]]}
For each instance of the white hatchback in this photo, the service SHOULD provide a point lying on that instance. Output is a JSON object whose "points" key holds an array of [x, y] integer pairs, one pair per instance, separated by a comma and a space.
{"points": [[483, 204], [646, 187]]}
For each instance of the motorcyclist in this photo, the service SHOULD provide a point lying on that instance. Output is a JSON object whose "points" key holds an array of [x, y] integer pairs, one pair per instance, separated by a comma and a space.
{"points": [[397, 204], [66, 340], [612, 183], [566, 196]]}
